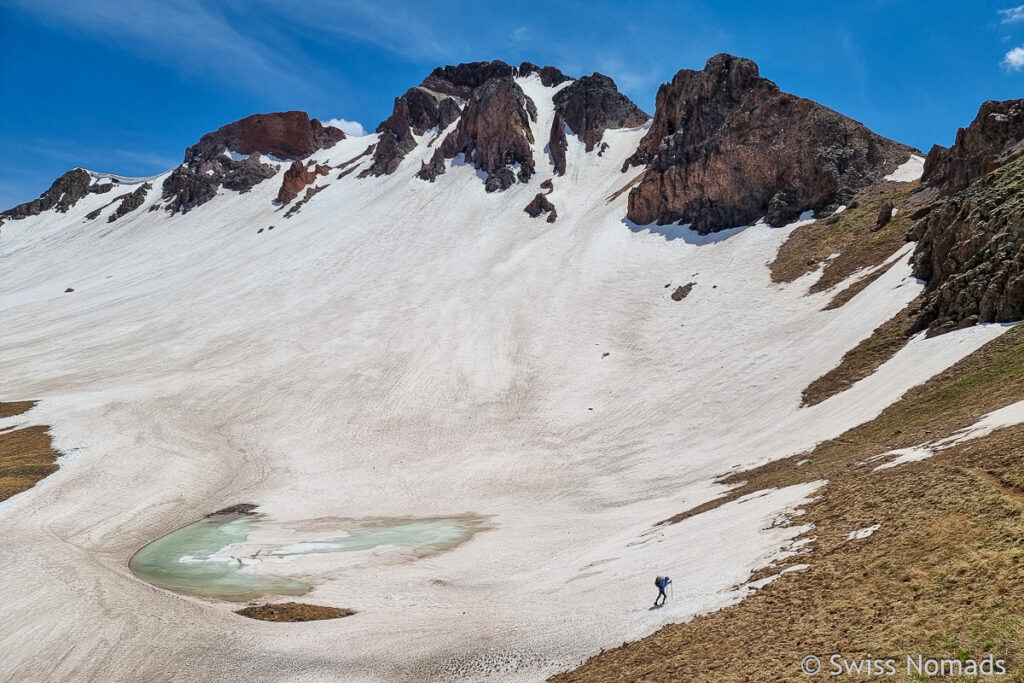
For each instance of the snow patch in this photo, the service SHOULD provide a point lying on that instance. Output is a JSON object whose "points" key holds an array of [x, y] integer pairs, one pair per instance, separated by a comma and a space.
{"points": [[862, 533], [909, 171], [1004, 417]]}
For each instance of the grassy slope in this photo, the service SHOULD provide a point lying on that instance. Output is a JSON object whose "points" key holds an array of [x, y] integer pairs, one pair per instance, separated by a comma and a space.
{"points": [[26, 455], [943, 576]]}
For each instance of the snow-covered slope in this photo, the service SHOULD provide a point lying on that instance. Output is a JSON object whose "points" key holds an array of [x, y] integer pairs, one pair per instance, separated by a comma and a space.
{"points": [[399, 348]]}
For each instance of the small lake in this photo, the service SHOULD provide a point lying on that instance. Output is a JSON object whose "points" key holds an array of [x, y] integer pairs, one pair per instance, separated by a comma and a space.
{"points": [[210, 557]]}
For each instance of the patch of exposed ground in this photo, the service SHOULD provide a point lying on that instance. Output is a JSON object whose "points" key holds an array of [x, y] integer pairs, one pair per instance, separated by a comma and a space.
{"points": [[12, 408], [26, 455], [863, 359], [942, 576], [848, 234], [293, 611]]}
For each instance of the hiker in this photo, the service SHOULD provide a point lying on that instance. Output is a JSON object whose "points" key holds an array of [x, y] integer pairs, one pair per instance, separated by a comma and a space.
{"points": [[661, 582]]}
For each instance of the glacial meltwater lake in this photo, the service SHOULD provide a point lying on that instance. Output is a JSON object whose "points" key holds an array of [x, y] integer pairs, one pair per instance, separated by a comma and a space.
{"points": [[210, 557]]}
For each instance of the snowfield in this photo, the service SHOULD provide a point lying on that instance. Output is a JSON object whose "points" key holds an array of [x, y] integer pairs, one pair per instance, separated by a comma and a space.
{"points": [[401, 348]]}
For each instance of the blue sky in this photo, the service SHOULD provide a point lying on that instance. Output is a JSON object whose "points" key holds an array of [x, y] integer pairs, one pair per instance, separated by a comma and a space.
{"points": [[124, 86]]}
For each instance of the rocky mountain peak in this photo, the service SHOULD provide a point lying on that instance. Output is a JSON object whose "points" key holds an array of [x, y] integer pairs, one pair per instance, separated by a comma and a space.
{"points": [[991, 140], [486, 92], [727, 147], [287, 135], [593, 104]]}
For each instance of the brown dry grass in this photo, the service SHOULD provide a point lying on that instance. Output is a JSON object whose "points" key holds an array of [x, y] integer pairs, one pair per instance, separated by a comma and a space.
{"points": [[849, 235], [13, 408], [293, 611], [943, 576], [26, 456]]}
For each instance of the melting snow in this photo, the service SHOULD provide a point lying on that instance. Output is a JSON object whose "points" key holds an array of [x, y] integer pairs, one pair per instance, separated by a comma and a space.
{"points": [[909, 171]]}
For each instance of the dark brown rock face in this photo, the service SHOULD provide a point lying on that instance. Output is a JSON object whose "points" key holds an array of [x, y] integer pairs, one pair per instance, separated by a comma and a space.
{"points": [[461, 79], [541, 204], [493, 133], [130, 202], [727, 147], [549, 75], [594, 104], [288, 135], [418, 110], [62, 195], [557, 143], [437, 103], [297, 177], [995, 137], [196, 183], [971, 252]]}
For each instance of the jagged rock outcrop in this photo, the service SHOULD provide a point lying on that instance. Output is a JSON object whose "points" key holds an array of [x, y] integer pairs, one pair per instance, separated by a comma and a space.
{"points": [[207, 166], [557, 143], [297, 177], [461, 79], [549, 75], [971, 253], [417, 111], [594, 104], [493, 133], [191, 185], [130, 202], [286, 135], [541, 204], [436, 103], [61, 195], [995, 137], [727, 147]]}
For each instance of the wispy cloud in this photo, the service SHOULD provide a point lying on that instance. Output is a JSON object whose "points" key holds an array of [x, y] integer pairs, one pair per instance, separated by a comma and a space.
{"points": [[1013, 14], [187, 35], [1014, 59]]}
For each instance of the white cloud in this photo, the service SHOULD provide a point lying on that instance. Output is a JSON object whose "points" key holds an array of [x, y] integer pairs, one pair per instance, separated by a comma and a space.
{"points": [[352, 129], [1012, 14], [1014, 59]]}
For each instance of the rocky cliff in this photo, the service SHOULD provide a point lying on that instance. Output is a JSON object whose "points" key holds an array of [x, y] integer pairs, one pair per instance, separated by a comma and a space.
{"points": [[727, 147], [593, 104], [995, 137], [971, 242]]}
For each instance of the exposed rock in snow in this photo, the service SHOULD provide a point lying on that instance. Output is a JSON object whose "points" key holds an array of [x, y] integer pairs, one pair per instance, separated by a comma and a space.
{"points": [[593, 104], [727, 147]]}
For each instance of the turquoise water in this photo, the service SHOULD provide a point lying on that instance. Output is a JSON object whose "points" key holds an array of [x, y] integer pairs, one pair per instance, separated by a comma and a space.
{"points": [[427, 532], [183, 561]]}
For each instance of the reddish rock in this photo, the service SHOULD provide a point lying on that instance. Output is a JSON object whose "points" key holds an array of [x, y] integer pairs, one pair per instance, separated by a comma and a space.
{"points": [[727, 147], [995, 137], [296, 178], [594, 104], [287, 135]]}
